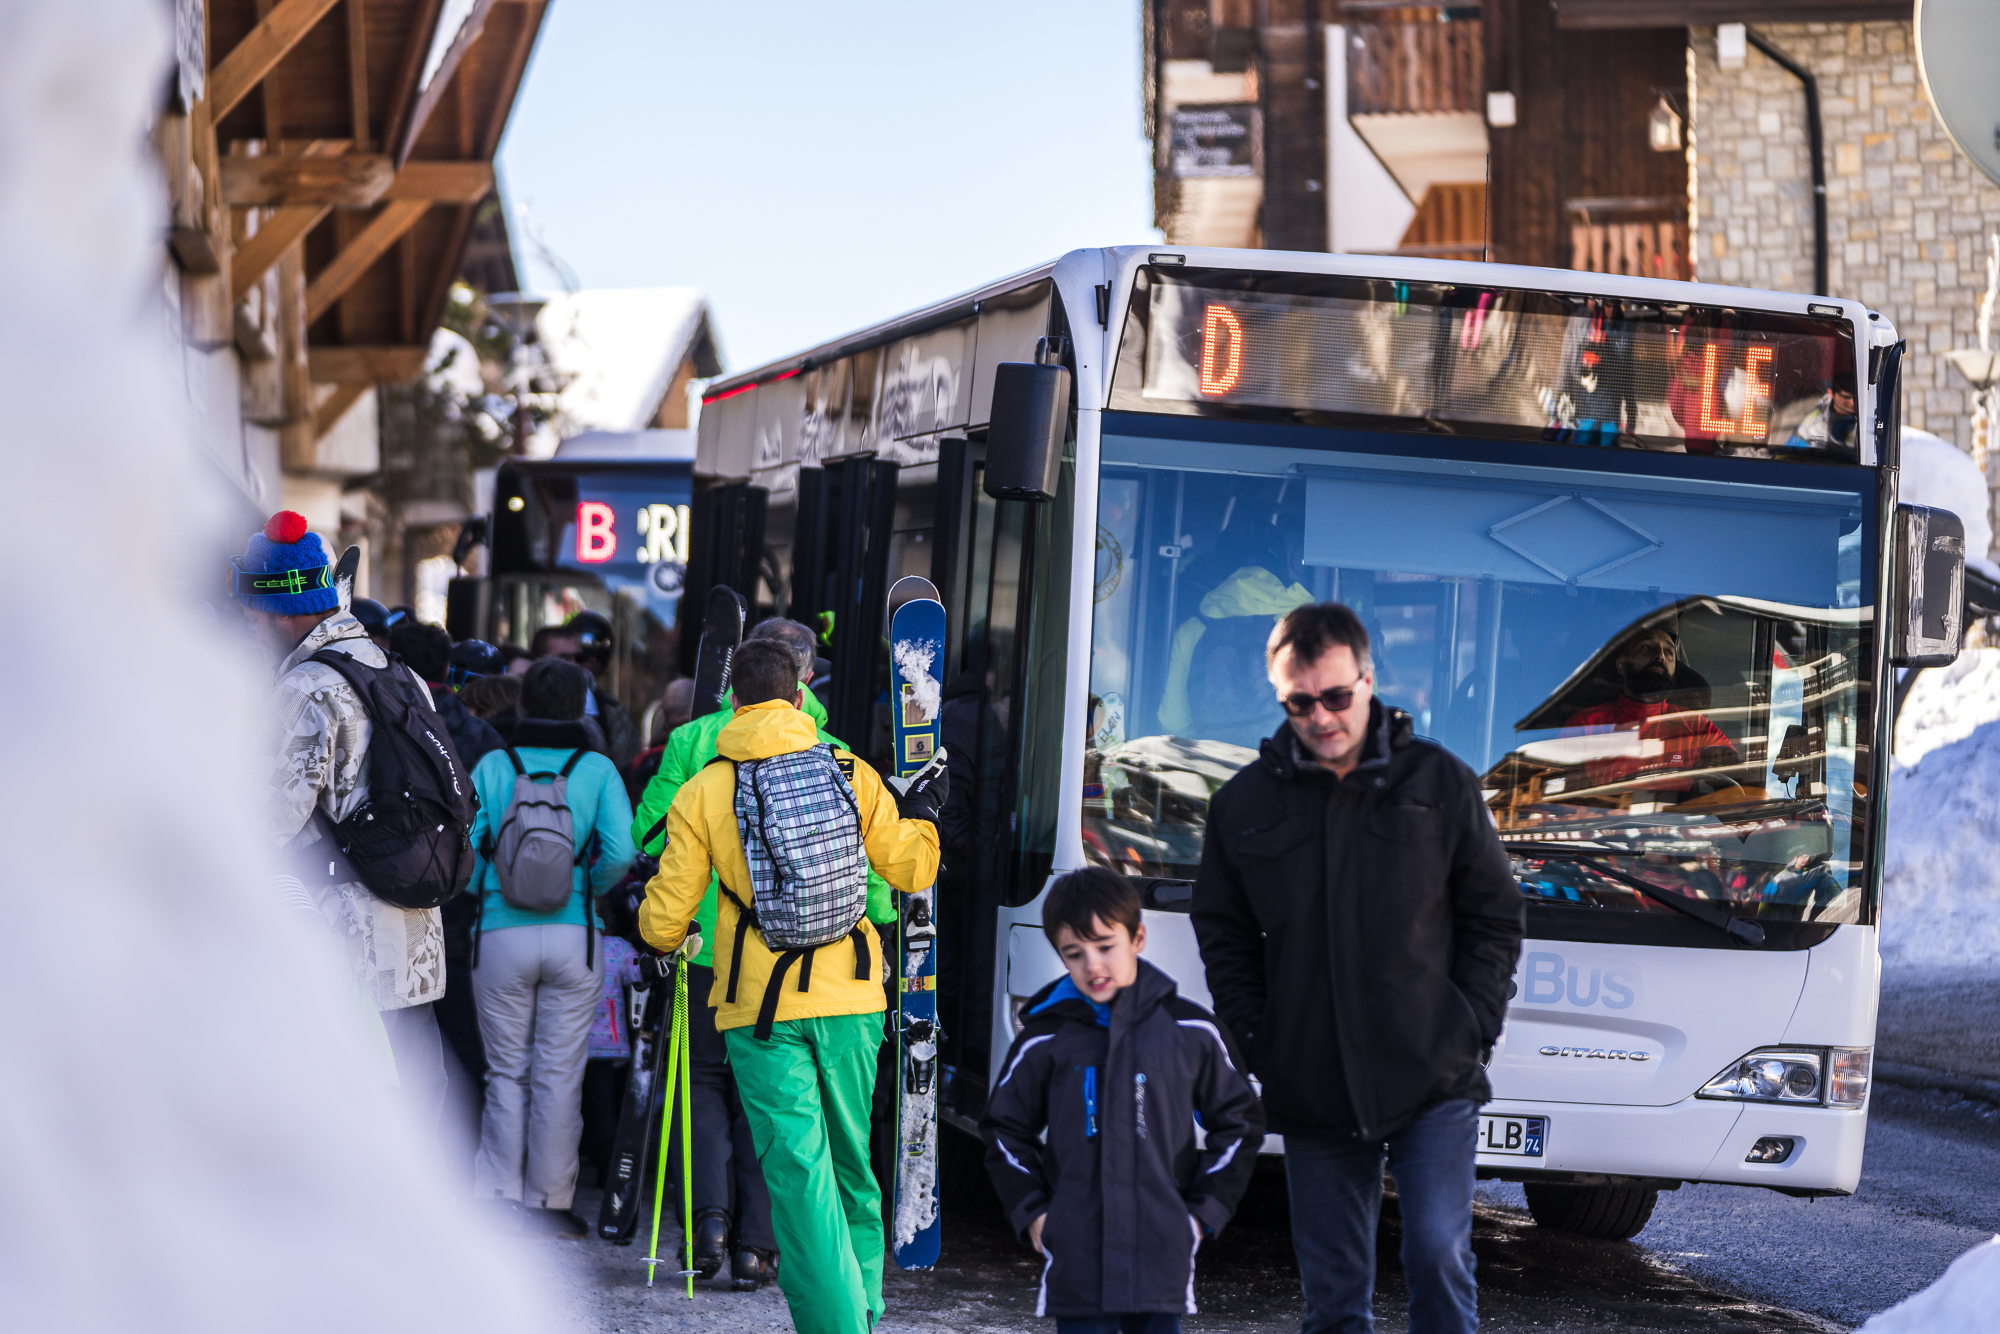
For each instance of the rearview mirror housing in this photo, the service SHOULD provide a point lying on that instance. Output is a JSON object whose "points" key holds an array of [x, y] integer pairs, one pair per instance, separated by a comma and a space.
{"points": [[1927, 622], [1025, 432]]}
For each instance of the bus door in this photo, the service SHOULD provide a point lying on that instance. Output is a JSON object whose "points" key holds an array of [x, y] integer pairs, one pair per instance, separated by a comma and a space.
{"points": [[1003, 718], [842, 535]]}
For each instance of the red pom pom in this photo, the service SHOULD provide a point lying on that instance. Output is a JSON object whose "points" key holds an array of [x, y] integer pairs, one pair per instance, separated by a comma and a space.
{"points": [[285, 527]]}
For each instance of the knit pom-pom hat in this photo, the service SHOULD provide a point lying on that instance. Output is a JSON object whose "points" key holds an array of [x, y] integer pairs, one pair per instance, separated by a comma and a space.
{"points": [[285, 570]]}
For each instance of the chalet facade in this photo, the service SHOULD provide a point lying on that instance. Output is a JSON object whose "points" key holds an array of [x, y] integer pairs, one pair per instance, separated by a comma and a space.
{"points": [[1665, 138], [327, 161]]}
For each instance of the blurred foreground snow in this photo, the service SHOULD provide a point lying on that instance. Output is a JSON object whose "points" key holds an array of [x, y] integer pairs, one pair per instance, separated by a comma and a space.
{"points": [[1964, 1300], [192, 1136]]}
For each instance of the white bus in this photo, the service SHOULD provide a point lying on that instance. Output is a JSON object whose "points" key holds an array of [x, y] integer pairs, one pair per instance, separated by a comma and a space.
{"points": [[1622, 545]]}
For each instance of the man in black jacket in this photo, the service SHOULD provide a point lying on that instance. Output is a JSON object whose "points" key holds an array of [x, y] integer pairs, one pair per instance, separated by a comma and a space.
{"points": [[1359, 923]]}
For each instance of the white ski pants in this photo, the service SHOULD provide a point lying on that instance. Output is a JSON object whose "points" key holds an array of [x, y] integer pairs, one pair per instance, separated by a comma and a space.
{"points": [[536, 1001]]}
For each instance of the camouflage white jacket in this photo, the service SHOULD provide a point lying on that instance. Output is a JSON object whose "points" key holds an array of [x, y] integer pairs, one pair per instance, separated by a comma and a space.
{"points": [[322, 763]]}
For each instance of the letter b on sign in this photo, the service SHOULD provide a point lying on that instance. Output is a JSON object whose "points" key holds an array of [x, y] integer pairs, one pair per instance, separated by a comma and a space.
{"points": [[1545, 979], [596, 532]]}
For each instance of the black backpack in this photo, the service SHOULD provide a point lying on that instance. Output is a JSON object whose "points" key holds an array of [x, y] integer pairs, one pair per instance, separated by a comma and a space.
{"points": [[408, 842]]}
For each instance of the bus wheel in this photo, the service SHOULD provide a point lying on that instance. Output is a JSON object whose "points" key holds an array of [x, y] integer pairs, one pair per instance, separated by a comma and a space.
{"points": [[1614, 1213]]}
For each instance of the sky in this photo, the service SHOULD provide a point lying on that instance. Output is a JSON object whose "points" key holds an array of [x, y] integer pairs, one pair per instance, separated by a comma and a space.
{"points": [[817, 167]]}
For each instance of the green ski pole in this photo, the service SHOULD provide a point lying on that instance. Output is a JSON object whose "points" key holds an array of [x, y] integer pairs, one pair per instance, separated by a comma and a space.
{"points": [[687, 1129], [677, 1068]]}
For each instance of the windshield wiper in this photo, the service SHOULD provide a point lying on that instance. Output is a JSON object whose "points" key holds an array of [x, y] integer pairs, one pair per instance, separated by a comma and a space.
{"points": [[1745, 933]]}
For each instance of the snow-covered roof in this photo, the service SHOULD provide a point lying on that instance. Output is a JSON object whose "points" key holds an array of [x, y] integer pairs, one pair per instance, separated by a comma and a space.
{"points": [[618, 350]]}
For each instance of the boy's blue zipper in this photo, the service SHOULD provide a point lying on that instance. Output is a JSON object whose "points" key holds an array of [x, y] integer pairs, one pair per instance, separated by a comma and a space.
{"points": [[1089, 1101]]}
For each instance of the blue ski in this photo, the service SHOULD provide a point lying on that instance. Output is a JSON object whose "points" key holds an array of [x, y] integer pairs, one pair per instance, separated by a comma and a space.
{"points": [[916, 643]]}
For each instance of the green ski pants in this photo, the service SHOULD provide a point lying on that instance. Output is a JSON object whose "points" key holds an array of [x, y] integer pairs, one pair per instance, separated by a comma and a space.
{"points": [[807, 1092]]}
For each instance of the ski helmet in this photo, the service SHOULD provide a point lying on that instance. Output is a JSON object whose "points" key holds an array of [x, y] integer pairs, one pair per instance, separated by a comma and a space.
{"points": [[472, 658]]}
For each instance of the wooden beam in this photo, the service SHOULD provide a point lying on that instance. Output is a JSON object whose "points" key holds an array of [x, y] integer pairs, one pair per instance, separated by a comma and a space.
{"points": [[415, 47], [295, 379], [351, 180], [329, 413], [364, 366], [257, 54], [441, 79], [279, 233], [443, 182], [268, 94], [357, 72], [517, 64], [354, 259]]}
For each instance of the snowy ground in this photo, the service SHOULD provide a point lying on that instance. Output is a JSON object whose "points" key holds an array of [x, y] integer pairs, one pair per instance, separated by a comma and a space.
{"points": [[1941, 885]]}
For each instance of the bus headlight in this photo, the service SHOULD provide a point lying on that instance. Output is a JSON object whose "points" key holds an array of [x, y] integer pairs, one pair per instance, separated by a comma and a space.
{"points": [[1769, 1076], [1852, 1067]]}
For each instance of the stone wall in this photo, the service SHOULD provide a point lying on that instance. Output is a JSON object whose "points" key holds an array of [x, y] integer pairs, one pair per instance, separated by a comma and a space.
{"points": [[1907, 214]]}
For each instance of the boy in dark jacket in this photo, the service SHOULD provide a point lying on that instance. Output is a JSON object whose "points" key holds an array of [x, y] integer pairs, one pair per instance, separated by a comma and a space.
{"points": [[1117, 1068]]}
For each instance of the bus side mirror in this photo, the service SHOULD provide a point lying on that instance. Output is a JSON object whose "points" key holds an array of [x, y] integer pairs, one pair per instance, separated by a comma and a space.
{"points": [[1024, 434], [1927, 623]]}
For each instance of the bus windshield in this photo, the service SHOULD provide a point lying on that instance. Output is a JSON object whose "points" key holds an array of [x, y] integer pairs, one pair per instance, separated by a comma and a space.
{"points": [[1661, 676]]}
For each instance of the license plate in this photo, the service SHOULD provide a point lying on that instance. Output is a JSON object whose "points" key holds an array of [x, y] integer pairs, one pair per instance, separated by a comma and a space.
{"points": [[1516, 1136]]}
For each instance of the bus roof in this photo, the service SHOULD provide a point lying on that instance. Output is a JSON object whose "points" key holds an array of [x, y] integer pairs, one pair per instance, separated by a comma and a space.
{"points": [[940, 313], [1120, 261]]}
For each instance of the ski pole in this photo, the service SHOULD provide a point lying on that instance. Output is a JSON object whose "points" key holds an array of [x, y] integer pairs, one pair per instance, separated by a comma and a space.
{"points": [[687, 1118], [677, 1068], [666, 1137]]}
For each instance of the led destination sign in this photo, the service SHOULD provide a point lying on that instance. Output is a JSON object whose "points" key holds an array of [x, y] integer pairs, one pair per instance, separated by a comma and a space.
{"points": [[1515, 364], [619, 525]]}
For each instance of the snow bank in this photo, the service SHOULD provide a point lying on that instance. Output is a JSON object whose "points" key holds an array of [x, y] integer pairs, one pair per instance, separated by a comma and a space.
{"points": [[1941, 882], [192, 1135], [1965, 1299], [1940, 474]]}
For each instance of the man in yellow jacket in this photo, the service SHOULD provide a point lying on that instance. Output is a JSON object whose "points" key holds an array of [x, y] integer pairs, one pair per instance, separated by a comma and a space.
{"points": [[808, 1085]]}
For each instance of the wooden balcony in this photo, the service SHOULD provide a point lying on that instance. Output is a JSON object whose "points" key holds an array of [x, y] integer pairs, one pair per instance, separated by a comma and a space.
{"points": [[1450, 223], [1412, 59], [1640, 237]]}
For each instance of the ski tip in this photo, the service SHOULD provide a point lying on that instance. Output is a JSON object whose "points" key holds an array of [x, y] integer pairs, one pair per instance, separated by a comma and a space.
{"points": [[911, 588]]}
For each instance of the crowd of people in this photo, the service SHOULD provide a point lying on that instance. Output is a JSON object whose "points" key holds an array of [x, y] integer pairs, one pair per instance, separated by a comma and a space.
{"points": [[766, 857]]}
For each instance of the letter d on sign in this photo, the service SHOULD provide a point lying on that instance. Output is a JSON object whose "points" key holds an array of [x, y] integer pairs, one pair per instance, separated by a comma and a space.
{"points": [[596, 532]]}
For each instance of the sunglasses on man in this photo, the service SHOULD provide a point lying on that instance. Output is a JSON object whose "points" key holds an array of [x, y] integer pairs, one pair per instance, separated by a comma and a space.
{"points": [[1336, 700]]}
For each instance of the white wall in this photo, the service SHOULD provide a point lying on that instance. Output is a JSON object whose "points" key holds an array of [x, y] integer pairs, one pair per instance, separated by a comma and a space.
{"points": [[195, 1133], [1365, 208]]}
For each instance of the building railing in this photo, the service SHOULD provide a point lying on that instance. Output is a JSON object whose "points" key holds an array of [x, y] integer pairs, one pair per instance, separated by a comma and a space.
{"points": [[1640, 237], [1413, 58], [1450, 222]]}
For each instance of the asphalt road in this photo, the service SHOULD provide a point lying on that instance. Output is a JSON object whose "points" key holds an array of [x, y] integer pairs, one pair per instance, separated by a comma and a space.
{"points": [[1714, 1258]]}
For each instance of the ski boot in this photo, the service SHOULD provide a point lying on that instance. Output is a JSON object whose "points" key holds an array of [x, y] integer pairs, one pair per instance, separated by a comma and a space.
{"points": [[711, 1242], [751, 1268]]}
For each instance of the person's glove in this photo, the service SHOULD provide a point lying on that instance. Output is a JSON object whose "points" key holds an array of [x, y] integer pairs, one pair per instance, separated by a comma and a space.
{"points": [[656, 968], [921, 795], [618, 907]]}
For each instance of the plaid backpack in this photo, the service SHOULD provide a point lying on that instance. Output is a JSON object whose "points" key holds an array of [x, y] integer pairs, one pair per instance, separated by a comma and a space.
{"points": [[801, 832]]}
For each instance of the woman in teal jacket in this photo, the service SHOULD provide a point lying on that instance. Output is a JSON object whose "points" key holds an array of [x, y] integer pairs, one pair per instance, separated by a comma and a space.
{"points": [[537, 976]]}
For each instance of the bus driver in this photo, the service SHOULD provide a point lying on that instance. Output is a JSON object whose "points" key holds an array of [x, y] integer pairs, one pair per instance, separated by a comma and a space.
{"points": [[1674, 741]]}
